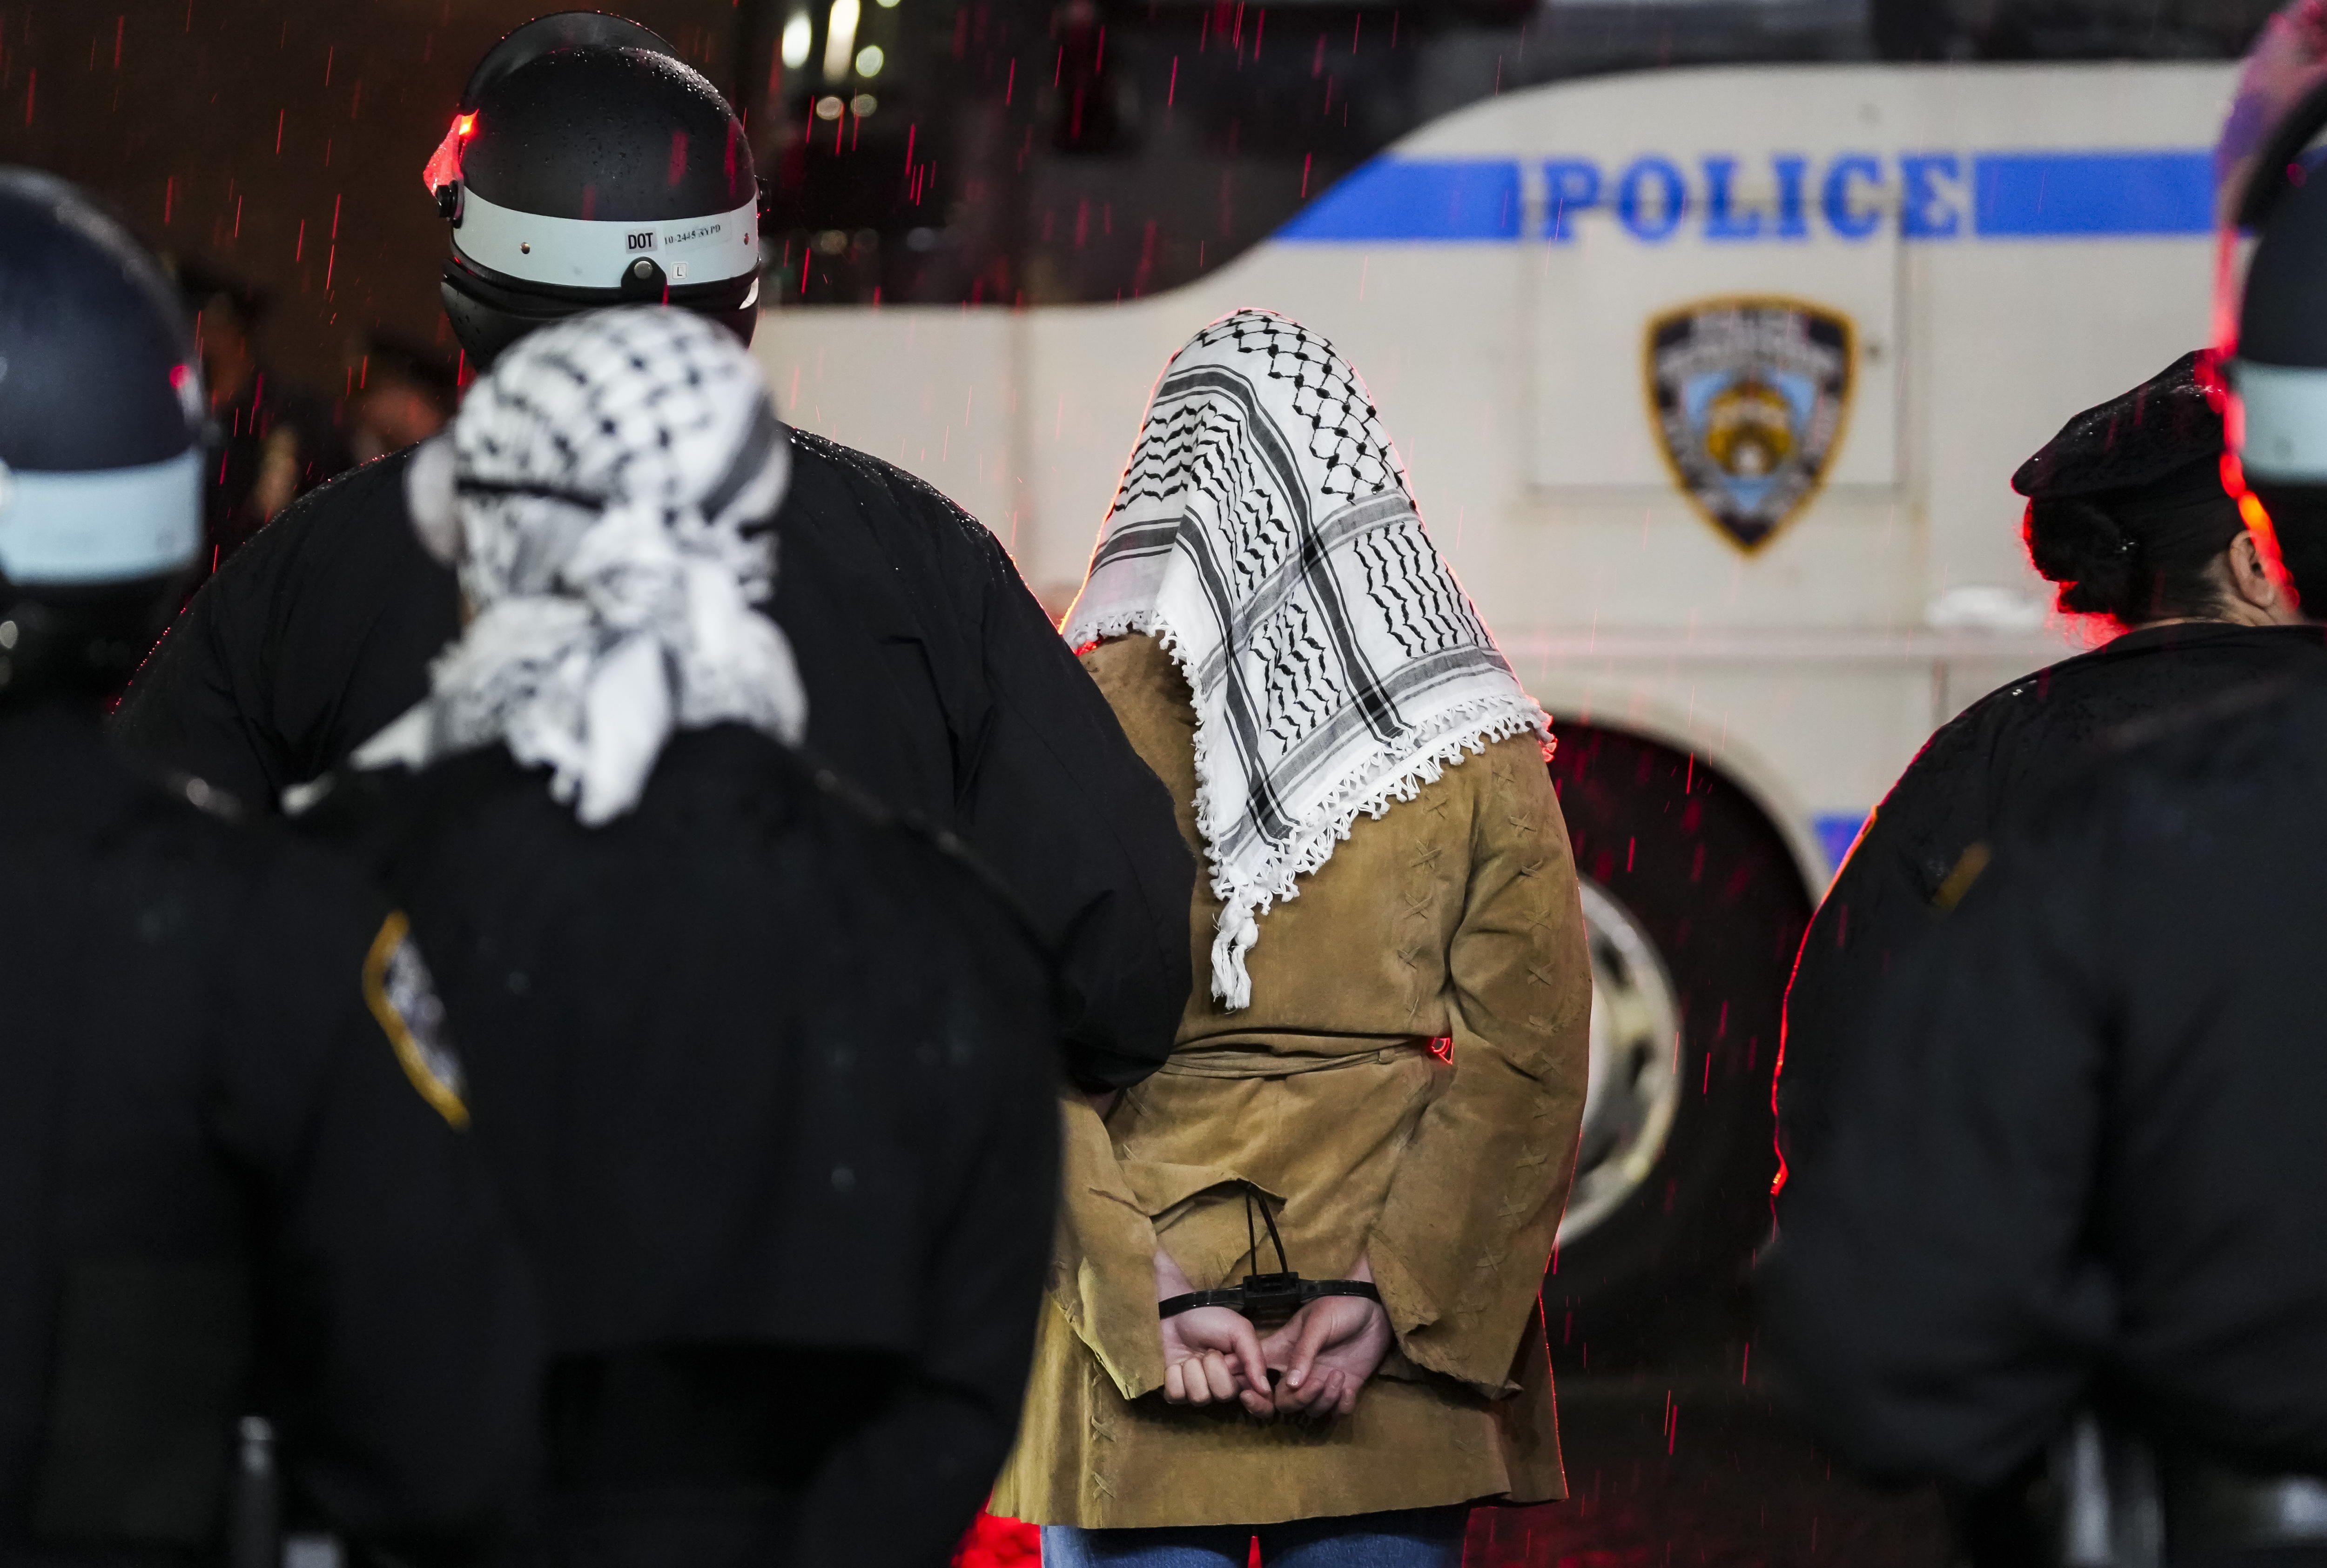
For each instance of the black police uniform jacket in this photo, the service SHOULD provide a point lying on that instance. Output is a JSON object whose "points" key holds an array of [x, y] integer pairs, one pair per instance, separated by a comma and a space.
{"points": [[771, 1085], [934, 680], [2080, 1157], [230, 1182], [1936, 827]]}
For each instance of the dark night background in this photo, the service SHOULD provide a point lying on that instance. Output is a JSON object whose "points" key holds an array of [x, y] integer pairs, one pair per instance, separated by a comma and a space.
{"points": [[284, 140]]}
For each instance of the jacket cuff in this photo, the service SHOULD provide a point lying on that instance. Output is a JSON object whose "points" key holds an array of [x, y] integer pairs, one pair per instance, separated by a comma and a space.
{"points": [[1103, 1273], [1457, 1348]]}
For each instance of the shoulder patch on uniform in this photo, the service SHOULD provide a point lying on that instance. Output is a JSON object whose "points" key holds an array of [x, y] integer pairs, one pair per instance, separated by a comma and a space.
{"points": [[1967, 868], [402, 996]]}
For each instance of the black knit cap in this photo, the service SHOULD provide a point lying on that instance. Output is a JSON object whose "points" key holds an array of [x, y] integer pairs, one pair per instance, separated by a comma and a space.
{"points": [[2134, 440]]}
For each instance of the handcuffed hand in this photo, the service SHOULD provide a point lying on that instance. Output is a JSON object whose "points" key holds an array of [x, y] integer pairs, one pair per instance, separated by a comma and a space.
{"points": [[1211, 1354], [1326, 1351]]}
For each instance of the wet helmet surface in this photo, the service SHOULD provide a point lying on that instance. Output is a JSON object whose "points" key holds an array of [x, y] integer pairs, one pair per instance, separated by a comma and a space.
{"points": [[102, 425], [590, 167], [92, 336]]}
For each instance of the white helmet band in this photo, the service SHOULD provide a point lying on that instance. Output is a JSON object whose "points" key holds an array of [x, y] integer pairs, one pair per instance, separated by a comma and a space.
{"points": [[2284, 410], [101, 526], [596, 253]]}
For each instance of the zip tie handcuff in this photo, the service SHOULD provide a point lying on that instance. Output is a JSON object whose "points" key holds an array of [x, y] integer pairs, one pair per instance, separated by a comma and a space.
{"points": [[1267, 1299]]}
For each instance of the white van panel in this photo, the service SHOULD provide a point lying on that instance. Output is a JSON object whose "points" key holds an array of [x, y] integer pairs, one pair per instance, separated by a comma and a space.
{"points": [[1991, 303]]}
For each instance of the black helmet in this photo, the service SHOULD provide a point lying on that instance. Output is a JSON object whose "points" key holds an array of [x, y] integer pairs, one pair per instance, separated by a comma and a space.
{"points": [[101, 425], [2280, 377], [2272, 322], [590, 166]]}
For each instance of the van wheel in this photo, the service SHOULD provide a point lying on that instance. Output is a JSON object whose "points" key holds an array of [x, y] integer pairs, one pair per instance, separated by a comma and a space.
{"points": [[1696, 908]]}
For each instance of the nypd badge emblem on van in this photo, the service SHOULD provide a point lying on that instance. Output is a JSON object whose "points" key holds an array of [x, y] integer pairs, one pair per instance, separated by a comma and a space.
{"points": [[1750, 396]]}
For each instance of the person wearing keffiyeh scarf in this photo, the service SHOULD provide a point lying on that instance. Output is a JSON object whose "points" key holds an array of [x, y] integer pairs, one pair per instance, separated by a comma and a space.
{"points": [[605, 495], [1265, 538], [767, 1077], [1386, 1044]]}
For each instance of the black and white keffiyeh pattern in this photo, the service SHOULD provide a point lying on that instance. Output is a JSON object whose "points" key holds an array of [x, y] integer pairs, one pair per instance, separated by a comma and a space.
{"points": [[603, 492], [1264, 535]]}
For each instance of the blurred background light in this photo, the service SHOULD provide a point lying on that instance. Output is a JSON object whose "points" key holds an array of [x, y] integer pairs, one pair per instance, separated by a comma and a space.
{"points": [[796, 40], [840, 39]]}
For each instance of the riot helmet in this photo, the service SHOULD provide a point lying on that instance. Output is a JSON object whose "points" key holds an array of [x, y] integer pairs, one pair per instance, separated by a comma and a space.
{"points": [[2271, 315], [590, 166], [102, 427], [2280, 377]]}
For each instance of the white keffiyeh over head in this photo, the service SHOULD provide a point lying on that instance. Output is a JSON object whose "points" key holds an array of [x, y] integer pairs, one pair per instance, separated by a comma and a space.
{"points": [[605, 494], [1264, 536]]}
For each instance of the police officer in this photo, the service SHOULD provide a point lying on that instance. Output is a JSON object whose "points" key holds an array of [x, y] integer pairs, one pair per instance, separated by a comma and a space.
{"points": [[589, 167], [2127, 512], [2077, 1161], [234, 1176], [771, 1085]]}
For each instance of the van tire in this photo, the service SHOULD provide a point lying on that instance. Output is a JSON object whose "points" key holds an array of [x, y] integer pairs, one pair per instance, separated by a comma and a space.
{"points": [[1711, 884]]}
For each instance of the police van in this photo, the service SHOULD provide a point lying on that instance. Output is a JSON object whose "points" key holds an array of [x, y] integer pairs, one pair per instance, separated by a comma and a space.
{"points": [[1710, 348]]}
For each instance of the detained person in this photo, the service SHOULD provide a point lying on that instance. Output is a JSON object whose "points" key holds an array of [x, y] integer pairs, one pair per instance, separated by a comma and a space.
{"points": [[2127, 514], [238, 1186], [936, 682], [1378, 1086], [770, 1080]]}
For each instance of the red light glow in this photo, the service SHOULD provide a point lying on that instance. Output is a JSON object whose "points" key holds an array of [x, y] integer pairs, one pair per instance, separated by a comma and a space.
{"points": [[2226, 402], [445, 164], [2256, 515], [997, 1543]]}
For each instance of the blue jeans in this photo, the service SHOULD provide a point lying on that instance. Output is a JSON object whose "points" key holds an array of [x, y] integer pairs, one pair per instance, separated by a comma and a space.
{"points": [[1409, 1538]]}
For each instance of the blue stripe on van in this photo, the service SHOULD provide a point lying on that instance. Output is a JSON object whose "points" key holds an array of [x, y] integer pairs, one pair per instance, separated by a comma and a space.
{"points": [[2042, 195], [1837, 832], [1414, 199]]}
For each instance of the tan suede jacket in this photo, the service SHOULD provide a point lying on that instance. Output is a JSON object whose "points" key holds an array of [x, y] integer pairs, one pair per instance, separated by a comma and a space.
{"points": [[1453, 919]]}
